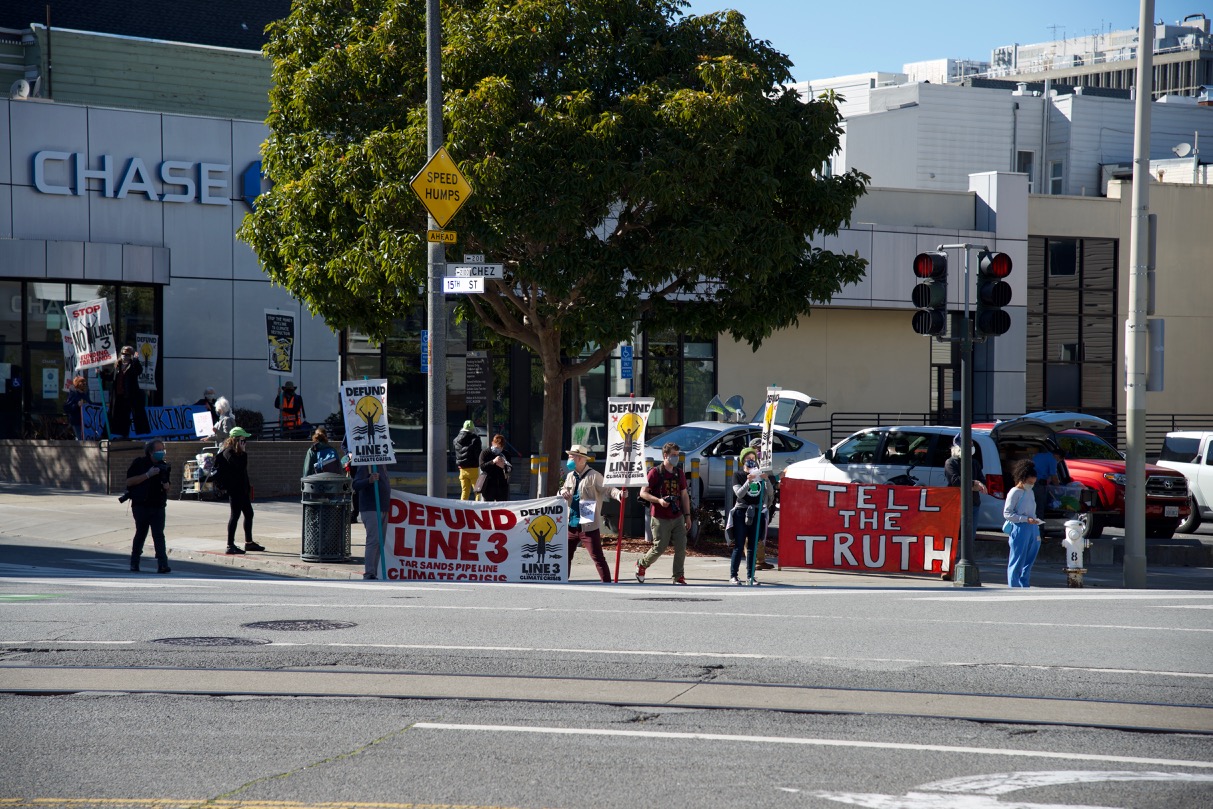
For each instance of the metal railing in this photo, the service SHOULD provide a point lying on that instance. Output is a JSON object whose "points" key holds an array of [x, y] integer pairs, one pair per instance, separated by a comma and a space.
{"points": [[841, 425]]}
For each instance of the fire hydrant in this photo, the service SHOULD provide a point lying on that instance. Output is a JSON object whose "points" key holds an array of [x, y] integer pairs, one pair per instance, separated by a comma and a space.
{"points": [[1074, 543]]}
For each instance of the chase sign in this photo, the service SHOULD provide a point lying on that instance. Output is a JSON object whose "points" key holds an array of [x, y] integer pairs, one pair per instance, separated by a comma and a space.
{"points": [[69, 173]]}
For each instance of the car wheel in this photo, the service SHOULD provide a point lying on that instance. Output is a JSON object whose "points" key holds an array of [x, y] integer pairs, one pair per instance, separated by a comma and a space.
{"points": [[1190, 525], [1160, 530], [1092, 526]]}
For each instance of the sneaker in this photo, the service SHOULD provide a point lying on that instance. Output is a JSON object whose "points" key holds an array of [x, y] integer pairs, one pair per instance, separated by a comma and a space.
{"points": [[231, 549], [253, 546], [734, 580], [680, 580], [753, 582], [640, 570]]}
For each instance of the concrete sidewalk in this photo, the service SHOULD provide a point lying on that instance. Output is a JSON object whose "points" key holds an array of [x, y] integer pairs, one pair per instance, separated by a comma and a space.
{"points": [[196, 532]]}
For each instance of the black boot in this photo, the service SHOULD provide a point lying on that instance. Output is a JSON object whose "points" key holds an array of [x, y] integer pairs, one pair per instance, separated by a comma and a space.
{"points": [[134, 564]]}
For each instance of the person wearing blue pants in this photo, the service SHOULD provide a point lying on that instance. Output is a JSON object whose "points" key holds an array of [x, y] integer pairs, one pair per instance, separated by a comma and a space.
{"points": [[1022, 525]]}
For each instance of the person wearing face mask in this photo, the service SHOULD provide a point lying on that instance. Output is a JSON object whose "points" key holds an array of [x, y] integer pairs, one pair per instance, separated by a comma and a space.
{"points": [[1022, 525], [584, 489], [224, 421], [495, 467], [753, 495], [208, 401], [232, 464], [147, 482]]}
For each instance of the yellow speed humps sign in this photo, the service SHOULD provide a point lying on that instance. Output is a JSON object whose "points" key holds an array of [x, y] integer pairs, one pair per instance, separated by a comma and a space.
{"points": [[441, 187]]}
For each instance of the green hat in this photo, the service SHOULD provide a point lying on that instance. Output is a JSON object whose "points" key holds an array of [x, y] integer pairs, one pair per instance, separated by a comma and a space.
{"points": [[745, 452], [470, 426], [240, 432]]}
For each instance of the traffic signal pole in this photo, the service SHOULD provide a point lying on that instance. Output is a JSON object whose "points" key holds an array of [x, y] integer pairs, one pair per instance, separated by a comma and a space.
{"points": [[967, 573]]}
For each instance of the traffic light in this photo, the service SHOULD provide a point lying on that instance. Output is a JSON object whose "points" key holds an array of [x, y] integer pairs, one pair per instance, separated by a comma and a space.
{"points": [[993, 293], [931, 293]]}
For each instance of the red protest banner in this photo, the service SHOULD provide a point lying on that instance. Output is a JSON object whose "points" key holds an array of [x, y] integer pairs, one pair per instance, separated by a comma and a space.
{"points": [[868, 527]]}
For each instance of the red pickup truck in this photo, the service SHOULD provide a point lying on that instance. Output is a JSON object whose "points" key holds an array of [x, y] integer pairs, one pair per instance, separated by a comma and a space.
{"points": [[1098, 465]]}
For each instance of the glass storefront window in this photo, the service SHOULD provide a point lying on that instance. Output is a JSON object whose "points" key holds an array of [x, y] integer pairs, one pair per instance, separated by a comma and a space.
{"points": [[44, 305]]}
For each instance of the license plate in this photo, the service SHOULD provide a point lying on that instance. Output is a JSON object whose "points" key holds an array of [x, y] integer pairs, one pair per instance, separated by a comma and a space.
{"points": [[1170, 511]]}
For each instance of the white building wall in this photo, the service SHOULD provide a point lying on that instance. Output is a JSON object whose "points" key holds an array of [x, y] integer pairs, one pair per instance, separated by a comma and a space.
{"points": [[215, 291]]}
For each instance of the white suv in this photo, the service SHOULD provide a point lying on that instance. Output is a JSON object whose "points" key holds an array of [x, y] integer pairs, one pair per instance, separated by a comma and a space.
{"points": [[880, 454], [1191, 452]]}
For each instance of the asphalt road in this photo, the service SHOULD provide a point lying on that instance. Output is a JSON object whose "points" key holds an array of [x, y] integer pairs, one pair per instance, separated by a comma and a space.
{"points": [[173, 691]]}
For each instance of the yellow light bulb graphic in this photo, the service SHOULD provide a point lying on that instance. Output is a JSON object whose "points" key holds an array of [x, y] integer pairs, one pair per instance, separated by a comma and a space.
{"points": [[629, 427]]}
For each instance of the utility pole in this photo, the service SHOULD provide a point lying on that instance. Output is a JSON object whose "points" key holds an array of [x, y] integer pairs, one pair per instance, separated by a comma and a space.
{"points": [[435, 390], [1136, 327]]}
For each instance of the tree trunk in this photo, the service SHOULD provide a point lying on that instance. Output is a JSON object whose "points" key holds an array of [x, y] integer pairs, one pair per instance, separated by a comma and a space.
{"points": [[551, 440]]}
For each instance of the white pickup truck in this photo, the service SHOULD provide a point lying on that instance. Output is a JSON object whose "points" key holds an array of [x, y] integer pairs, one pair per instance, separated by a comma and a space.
{"points": [[1191, 452]]}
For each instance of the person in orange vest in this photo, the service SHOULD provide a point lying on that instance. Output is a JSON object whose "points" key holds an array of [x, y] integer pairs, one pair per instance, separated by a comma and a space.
{"points": [[290, 407]]}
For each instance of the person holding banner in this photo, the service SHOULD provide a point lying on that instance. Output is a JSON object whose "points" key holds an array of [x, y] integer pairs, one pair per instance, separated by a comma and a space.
{"points": [[584, 488], [224, 422], [232, 463], [147, 481], [208, 401], [77, 398], [128, 400], [1022, 525], [374, 519], [666, 490], [753, 496]]}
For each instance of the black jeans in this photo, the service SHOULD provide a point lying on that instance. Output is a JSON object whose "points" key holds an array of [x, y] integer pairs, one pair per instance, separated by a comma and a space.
{"points": [[239, 505], [148, 518]]}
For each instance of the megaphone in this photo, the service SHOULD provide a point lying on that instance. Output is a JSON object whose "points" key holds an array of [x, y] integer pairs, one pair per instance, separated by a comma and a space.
{"points": [[735, 405], [716, 408]]}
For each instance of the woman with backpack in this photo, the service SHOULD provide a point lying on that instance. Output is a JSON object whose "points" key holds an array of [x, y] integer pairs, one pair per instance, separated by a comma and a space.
{"points": [[232, 466], [321, 457]]}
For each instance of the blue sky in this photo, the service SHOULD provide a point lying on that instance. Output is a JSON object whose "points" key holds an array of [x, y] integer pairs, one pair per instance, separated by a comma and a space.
{"points": [[857, 36]]}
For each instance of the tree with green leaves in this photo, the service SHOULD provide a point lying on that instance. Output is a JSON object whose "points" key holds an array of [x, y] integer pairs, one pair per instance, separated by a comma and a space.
{"points": [[630, 165]]}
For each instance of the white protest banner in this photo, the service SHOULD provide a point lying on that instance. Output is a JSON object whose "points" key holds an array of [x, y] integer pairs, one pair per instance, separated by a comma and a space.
{"points": [[280, 334], [627, 419], [147, 346], [432, 539], [364, 403], [92, 333], [766, 449]]}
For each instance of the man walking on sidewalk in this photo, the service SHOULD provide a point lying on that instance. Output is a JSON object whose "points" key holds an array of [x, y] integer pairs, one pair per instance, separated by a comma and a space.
{"points": [[666, 489]]}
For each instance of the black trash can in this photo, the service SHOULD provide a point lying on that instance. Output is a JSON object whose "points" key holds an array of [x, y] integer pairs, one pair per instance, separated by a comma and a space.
{"points": [[326, 517]]}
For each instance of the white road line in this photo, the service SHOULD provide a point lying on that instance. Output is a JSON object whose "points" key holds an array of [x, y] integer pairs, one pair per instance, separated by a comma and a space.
{"points": [[792, 740], [618, 611]]}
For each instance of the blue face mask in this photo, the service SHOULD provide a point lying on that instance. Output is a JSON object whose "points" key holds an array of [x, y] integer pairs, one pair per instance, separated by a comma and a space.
{"points": [[158, 455], [570, 464]]}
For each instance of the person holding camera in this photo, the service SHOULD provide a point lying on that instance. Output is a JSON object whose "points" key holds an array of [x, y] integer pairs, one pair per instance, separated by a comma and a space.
{"points": [[666, 490], [753, 496], [147, 481]]}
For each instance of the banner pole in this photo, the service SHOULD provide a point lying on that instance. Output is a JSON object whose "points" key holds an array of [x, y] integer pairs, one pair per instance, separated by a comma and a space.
{"points": [[105, 415], [379, 526], [280, 403], [619, 538]]}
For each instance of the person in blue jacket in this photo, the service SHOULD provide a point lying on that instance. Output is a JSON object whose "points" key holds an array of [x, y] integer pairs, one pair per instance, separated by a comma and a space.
{"points": [[77, 398], [1022, 525]]}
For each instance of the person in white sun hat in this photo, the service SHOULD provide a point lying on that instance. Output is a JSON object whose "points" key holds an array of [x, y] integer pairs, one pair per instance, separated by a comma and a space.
{"points": [[585, 489]]}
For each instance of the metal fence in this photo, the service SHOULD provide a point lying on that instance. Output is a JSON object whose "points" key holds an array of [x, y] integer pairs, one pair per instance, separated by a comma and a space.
{"points": [[828, 432]]}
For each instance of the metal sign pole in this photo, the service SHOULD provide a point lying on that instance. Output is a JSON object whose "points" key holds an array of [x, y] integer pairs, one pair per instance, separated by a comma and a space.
{"points": [[436, 301]]}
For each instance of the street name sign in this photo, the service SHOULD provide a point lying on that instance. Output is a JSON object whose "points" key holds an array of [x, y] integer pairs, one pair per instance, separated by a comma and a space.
{"points": [[441, 187], [478, 270], [462, 285]]}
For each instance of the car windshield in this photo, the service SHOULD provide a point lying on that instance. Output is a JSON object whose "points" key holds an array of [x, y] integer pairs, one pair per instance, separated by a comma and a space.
{"points": [[687, 438], [1179, 448], [1088, 447]]}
